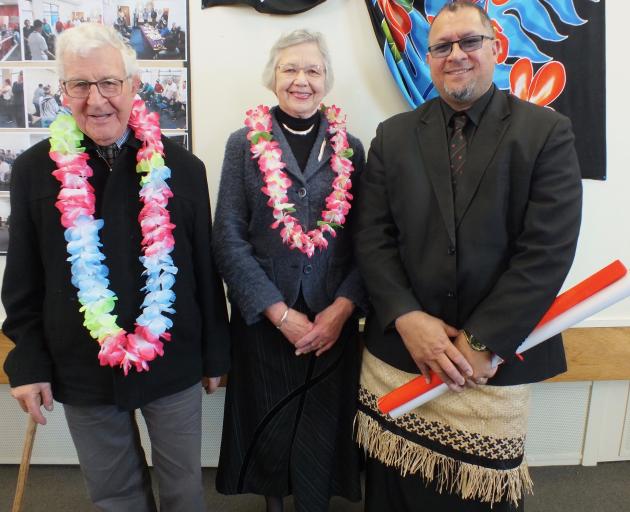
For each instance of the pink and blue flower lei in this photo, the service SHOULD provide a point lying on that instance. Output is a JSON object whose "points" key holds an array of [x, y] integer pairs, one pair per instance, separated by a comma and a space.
{"points": [[76, 202]]}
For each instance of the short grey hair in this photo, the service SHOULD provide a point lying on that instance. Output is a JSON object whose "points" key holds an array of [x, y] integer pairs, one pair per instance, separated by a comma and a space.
{"points": [[294, 38], [84, 38]]}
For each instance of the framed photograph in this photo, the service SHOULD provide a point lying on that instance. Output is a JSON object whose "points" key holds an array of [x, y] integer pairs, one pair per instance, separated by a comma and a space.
{"points": [[179, 137], [165, 91], [42, 22], [43, 96], [5, 219], [10, 36], [34, 138], [12, 98], [156, 30], [11, 146]]}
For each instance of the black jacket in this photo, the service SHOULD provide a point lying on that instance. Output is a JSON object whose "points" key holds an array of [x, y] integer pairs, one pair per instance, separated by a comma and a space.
{"points": [[43, 317], [490, 262]]}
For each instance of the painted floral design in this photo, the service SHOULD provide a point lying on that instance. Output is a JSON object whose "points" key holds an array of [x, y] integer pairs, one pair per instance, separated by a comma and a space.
{"points": [[518, 24]]}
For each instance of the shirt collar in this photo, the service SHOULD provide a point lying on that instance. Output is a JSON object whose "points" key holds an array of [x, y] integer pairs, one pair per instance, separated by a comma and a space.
{"points": [[125, 138], [475, 112]]}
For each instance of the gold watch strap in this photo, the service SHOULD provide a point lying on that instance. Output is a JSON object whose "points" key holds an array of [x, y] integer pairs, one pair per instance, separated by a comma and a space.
{"points": [[474, 343]]}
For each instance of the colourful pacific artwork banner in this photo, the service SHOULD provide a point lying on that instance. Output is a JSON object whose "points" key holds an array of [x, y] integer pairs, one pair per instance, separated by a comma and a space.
{"points": [[268, 6], [552, 54]]}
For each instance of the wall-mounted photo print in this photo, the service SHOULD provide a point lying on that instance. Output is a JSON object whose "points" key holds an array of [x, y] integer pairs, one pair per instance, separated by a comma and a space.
{"points": [[156, 30], [5, 219], [42, 22], [43, 96], [11, 146], [180, 138], [12, 98], [10, 48], [34, 138], [165, 91]]}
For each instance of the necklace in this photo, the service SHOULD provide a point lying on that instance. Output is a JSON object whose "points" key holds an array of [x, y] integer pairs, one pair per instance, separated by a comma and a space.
{"points": [[76, 202], [270, 163], [298, 132]]}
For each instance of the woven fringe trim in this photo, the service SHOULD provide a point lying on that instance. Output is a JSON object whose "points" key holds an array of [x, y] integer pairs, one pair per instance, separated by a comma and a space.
{"points": [[455, 477]]}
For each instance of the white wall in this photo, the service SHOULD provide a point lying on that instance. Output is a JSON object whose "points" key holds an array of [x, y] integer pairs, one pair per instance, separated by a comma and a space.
{"points": [[228, 50]]}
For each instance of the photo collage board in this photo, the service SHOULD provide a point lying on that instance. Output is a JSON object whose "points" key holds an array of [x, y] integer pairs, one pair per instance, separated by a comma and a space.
{"points": [[30, 93]]}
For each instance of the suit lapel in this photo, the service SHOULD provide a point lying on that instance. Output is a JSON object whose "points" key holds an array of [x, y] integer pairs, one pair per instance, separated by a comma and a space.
{"points": [[292, 166], [431, 133], [320, 152], [490, 131]]}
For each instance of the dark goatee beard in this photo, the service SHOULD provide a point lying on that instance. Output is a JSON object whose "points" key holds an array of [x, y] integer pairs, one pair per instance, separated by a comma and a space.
{"points": [[463, 94]]}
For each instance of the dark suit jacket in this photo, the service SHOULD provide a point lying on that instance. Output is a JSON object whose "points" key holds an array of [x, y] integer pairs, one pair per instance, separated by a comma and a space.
{"points": [[43, 317], [490, 262], [257, 267]]}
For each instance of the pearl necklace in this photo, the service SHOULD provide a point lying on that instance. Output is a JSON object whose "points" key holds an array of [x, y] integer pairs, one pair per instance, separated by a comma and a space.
{"points": [[298, 132]]}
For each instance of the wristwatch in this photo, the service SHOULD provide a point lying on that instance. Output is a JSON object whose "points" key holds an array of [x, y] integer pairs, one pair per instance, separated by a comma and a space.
{"points": [[474, 343]]}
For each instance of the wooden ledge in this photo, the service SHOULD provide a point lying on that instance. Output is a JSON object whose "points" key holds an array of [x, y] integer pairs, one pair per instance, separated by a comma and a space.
{"points": [[598, 353], [5, 346]]}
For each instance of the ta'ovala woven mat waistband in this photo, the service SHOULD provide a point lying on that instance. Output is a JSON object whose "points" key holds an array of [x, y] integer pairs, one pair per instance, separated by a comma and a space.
{"points": [[470, 443]]}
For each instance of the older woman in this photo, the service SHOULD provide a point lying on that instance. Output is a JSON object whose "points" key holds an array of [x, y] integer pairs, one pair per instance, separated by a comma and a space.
{"points": [[282, 244]]}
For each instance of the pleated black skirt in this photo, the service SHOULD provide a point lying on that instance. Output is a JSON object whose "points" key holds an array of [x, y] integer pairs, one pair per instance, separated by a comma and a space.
{"points": [[288, 419]]}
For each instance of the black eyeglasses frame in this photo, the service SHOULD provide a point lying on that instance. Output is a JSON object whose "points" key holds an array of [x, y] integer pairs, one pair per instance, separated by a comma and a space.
{"points": [[98, 87], [477, 40]]}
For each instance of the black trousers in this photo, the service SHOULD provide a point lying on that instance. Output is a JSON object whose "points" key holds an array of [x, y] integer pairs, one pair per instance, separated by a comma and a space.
{"points": [[387, 491]]}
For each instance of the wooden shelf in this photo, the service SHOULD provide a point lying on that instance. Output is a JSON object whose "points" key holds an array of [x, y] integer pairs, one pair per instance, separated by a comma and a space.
{"points": [[5, 346], [599, 353]]}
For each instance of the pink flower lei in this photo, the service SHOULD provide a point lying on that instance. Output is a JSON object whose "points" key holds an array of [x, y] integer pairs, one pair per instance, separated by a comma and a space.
{"points": [[76, 202], [270, 163]]}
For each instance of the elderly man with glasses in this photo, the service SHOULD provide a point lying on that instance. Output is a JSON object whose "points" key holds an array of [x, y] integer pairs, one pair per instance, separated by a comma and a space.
{"points": [[466, 227], [110, 291]]}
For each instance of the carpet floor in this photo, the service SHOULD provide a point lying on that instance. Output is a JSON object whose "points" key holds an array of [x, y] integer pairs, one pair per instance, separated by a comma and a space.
{"points": [[603, 488]]}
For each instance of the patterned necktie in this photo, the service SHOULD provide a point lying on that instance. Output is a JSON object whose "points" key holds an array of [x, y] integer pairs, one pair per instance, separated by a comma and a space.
{"points": [[457, 145], [109, 153]]}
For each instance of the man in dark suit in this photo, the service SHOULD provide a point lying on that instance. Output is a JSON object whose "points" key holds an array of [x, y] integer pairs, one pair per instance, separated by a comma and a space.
{"points": [[467, 221], [62, 354]]}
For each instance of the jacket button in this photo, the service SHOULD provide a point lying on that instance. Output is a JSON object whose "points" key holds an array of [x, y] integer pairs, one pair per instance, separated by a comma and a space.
{"points": [[302, 193], [450, 295], [308, 269], [451, 250]]}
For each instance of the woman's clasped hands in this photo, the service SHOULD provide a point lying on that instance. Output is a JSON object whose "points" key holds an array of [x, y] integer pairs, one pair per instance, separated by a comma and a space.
{"points": [[306, 336]]}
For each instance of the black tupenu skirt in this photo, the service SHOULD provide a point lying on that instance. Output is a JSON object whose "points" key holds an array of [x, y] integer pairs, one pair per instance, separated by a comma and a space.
{"points": [[288, 419]]}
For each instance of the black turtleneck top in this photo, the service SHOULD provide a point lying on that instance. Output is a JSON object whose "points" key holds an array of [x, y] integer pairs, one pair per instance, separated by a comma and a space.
{"points": [[301, 145]]}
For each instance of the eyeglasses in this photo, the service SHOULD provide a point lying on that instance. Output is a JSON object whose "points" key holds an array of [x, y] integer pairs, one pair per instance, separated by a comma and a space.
{"points": [[467, 44], [293, 70], [80, 89]]}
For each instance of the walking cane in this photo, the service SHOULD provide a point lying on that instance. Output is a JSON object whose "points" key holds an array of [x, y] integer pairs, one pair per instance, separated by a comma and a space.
{"points": [[29, 439]]}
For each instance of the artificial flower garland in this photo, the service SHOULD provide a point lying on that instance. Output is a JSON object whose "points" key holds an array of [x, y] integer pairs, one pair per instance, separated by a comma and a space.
{"points": [[277, 182], [76, 202]]}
